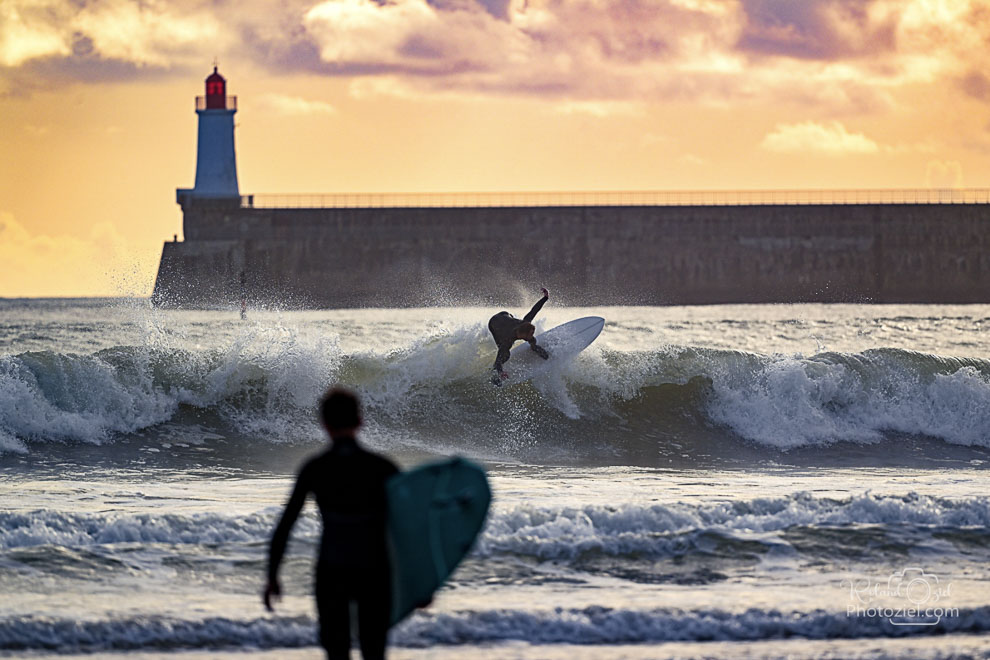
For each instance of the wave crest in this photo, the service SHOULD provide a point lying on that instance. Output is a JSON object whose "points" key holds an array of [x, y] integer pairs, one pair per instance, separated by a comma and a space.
{"points": [[588, 625], [435, 395], [545, 532]]}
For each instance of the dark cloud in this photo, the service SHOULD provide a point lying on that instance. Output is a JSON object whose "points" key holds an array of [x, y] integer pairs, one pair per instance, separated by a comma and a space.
{"points": [[93, 69], [632, 47], [496, 8], [815, 29], [45, 74], [626, 30], [95, 41], [82, 46], [977, 85], [576, 50], [421, 47], [291, 51]]}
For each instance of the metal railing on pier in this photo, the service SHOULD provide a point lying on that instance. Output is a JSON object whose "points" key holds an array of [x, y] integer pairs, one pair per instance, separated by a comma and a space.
{"points": [[620, 198]]}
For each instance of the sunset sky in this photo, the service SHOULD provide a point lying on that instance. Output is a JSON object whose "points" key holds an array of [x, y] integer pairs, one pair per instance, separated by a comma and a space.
{"points": [[97, 122]]}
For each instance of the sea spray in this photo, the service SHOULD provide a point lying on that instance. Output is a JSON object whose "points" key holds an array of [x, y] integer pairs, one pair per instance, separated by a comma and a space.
{"points": [[264, 384], [793, 402]]}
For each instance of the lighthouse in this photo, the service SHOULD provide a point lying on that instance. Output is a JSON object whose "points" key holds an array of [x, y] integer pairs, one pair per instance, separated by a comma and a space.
{"points": [[216, 163]]}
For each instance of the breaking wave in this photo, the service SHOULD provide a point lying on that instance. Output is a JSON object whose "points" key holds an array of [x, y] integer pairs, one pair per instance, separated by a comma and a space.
{"points": [[436, 392], [794, 522], [590, 625]]}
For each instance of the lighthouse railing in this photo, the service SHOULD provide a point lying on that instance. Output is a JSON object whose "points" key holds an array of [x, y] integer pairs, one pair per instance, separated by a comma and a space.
{"points": [[230, 103]]}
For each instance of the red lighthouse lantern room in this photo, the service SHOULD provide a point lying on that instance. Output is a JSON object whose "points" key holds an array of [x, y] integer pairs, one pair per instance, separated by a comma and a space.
{"points": [[216, 91]]}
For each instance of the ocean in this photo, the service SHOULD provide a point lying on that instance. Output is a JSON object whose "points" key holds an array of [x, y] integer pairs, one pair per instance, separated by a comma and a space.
{"points": [[752, 481]]}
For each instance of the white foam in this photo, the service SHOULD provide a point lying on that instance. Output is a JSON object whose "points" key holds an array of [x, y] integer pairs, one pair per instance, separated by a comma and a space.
{"points": [[792, 402], [543, 532], [552, 533], [396, 381], [9, 443], [66, 397], [604, 625], [267, 383], [153, 633], [587, 626], [58, 528]]}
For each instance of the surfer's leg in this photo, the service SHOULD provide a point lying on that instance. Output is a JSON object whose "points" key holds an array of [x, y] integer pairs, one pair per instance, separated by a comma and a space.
{"points": [[374, 612], [334, 609]]}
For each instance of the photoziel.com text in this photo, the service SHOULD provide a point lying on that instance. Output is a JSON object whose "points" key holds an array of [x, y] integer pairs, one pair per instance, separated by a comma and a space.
{"points": [[906, 598]]}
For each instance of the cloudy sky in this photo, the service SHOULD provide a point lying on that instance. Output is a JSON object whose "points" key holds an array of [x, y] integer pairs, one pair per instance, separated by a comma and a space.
{"points": [[97, 126]]}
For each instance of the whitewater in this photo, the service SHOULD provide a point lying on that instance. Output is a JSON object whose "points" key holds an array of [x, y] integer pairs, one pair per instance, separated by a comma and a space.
{"points": [[755, 481]]}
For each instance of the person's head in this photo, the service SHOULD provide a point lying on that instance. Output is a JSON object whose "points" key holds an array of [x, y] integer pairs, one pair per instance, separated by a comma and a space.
{"points": [[525, 331], [340, 412]]}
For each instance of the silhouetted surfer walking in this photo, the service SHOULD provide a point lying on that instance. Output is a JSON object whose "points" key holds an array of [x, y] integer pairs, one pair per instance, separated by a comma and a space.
{"points": [[349, 484], [506, 329]]}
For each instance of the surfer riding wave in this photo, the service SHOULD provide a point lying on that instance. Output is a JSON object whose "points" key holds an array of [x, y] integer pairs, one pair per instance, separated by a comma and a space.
{"points": [[506, 329]]}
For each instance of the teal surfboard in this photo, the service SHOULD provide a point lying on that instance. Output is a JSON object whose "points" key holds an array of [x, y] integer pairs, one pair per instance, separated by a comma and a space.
{"points": [[435, 512]]}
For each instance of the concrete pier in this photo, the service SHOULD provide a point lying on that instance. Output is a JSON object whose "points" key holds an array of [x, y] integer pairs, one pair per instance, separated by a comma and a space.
{"points": [[587, 254]]}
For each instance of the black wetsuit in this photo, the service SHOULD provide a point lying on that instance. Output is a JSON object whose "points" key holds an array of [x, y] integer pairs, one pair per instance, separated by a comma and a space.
{"points": [[503, 328], [349, 485]]}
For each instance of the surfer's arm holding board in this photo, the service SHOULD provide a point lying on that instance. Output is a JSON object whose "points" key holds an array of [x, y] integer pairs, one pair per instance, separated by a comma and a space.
{"points": [[542, 352]]}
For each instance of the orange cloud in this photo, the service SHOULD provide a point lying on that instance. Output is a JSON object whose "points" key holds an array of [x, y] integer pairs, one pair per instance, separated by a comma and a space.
{"points": [[294, 105], [99, 40], [837, 56], [831, 139], [145, 34], [23, 37]]}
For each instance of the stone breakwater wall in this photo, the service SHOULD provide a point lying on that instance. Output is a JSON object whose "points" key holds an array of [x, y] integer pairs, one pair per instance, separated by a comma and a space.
{"points": [[587, 255]]}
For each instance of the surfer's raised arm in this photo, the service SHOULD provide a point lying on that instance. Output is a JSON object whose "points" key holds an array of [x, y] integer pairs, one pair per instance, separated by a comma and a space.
{"points": [[542, 352], [537, 307]]}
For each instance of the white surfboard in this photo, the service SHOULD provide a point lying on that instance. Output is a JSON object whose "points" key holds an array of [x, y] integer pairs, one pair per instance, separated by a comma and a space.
{"points": [[563, 343]]}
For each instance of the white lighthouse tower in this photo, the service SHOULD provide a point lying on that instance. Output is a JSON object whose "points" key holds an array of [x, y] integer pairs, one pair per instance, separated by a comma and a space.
{"points": [[216, 163]]}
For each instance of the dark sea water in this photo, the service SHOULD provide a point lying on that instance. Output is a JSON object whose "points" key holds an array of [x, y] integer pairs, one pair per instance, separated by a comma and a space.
{"points": [[729, 481]]}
